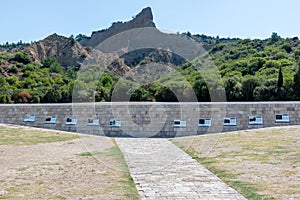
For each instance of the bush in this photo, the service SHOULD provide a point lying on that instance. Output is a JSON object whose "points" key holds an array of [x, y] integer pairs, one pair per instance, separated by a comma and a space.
{"points": [[13, 70], [22, 57], [24, 97], [48, 61]]}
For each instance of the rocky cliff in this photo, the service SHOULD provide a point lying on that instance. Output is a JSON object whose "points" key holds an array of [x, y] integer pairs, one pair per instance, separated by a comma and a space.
{"points": [[142, 20], [70, 53], [67, 51]]}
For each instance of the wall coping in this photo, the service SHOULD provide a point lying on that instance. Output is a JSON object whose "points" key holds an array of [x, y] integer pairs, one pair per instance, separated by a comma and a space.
{"points": [[155, 103]]}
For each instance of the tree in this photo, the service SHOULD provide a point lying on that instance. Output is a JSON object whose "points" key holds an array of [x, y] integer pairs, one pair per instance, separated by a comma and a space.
{"points": [[233, 88], [254, 64], [56, 68], [164, 94], [249, 83], [297, 83], [48, 61], [140, 94], [106, 80], [274, 38], [6, 94], [266, 92], [53, 95], [201, 91], [14, 70], [280, 79], [72, 40], [188, 34], [80, 37], [287, 47], [217, 39]]}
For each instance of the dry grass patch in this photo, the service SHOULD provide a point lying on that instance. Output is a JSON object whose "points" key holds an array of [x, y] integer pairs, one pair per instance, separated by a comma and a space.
{"points": [[260, 164], [25, 136], [47, 165]]}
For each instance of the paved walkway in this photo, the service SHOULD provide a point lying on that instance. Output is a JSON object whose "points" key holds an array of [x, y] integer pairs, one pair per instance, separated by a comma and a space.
{"points": [[163, 171]]}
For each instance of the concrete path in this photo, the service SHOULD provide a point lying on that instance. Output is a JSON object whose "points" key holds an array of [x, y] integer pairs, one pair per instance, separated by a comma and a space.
{"points": [[163, 171]]}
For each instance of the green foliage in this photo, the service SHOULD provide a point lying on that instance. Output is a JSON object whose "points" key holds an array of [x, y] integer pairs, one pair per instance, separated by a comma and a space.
{"points": [[52, 64], [80, 37], [249, 83], [280, 79], [140, 94], [201, 90], [164, 94], [34, 83], [13, 70], [274, 38], [56, 68], [267, 91], [233, 88], [296, 85], [249, 70], [48, 61], [22, 57], [72, 40], [265, 68]]}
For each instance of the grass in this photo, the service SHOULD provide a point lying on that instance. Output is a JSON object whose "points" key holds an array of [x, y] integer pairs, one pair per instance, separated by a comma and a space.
{"points": [[248, 190], [126, 183], [22, 169], [21, 136], [113, 158], [59, 197], [116, 182], [252, 161], [85, 154]]}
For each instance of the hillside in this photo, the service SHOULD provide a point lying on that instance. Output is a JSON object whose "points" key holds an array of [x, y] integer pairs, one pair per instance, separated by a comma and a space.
{"points": [[48, 70], [66, 51]]}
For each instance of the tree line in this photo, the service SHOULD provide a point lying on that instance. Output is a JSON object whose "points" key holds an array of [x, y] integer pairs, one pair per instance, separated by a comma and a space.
{"points": [[248, 70]]}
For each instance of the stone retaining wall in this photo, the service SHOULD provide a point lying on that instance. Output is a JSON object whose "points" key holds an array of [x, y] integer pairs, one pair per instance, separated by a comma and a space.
{"points": [[150, 119]]}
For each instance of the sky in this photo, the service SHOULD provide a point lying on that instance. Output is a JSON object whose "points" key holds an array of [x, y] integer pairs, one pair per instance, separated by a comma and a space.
{"points": [[33, 20]]}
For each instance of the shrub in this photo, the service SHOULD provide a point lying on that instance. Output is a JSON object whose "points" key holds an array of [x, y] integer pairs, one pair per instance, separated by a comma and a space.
{"points": [[24, 97], [22, 57], [13, 70]]}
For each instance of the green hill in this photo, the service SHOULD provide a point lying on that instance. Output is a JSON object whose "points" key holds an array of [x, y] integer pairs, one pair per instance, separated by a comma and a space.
{"points": [[251, 70]]}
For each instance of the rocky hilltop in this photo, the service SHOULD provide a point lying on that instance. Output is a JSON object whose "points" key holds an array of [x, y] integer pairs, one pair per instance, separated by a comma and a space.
{"points": [[142, 20], [70, 52], [67, 51]]}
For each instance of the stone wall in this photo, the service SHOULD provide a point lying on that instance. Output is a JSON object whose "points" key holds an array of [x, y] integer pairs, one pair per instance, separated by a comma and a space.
{"points": [[150, 119]]}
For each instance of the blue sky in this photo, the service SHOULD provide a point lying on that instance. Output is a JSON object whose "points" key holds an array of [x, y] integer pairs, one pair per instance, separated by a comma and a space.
{"points": [[32, 20]]}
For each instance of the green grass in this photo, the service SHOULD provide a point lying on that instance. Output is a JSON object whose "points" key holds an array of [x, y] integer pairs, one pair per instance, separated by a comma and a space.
{"points": [[22, 169], [21, 136], [127, 183], [85, 154]]}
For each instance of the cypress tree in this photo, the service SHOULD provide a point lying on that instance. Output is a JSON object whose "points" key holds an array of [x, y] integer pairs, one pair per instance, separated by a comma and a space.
{"points": [[297, 83], [280, 79]]}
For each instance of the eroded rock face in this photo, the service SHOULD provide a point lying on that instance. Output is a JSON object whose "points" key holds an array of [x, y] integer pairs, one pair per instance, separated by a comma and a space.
{"points": [[142, 20], [73, 54], [68, 52]]}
